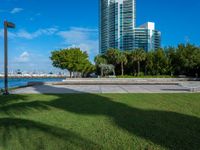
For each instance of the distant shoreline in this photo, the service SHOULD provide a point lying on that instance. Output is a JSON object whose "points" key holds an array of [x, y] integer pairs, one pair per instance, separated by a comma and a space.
{"points": [[20, 77]]}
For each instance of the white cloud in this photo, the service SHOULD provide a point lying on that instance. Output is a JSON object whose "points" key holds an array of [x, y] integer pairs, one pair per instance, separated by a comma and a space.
{"points": [[31, 61], [24, 57], [10, 34], [27, 35], [85, 38], [32, 18], [30, 35], [16, 10]]}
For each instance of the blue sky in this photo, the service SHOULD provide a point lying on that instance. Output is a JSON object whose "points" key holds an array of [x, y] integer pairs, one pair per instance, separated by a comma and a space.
{"points": [[46, 25]]}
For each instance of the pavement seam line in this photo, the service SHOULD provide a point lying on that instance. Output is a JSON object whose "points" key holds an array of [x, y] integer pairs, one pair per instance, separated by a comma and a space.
{"points": [[124, 89]]}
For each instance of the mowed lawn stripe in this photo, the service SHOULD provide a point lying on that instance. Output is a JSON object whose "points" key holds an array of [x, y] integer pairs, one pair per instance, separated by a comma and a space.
{"points": [[100, 121]]}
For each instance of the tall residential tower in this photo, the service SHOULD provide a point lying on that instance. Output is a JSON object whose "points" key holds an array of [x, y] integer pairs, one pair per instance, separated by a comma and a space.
{"points": [[118, 25], [117, 21]]}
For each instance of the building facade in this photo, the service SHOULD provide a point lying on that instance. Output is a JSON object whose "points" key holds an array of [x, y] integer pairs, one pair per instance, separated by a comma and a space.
{"points": [[117, 21], [146, 37], [118, 26]]}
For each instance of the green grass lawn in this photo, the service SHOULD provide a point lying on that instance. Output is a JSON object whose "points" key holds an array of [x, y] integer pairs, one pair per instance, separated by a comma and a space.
{"points": [[100, 121]]}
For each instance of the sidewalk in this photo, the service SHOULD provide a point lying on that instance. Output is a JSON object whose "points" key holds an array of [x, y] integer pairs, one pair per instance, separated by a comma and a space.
{"points": [[62, 89]]}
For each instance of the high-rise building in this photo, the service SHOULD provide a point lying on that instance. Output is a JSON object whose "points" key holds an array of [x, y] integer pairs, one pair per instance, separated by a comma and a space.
{"points": [[117, 21], [146, 37], [118, 26]]}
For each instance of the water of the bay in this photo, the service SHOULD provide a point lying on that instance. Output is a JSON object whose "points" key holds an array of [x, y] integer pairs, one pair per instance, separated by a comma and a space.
{"points": [[16, 82]]}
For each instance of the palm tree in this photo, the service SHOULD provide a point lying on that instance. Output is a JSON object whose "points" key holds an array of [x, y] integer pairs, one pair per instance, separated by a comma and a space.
{"points": [[112, 55], [122, 59], [99, 61], [138, 56]]}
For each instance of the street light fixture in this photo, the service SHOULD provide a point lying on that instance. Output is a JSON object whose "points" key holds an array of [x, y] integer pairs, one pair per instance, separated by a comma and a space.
{"points": [[6, 26]]}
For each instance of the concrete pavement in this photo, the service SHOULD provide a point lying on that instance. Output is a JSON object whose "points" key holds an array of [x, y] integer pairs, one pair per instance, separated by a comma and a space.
{"points": [[62, 89]]}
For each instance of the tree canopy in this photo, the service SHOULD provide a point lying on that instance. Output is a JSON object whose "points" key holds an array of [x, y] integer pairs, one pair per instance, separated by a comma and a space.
{"points": [[181, 60], [72, 59]]}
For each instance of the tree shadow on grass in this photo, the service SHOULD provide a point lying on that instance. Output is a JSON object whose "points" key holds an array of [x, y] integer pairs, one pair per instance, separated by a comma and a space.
{"points": [[46, 136], [168, 129]]}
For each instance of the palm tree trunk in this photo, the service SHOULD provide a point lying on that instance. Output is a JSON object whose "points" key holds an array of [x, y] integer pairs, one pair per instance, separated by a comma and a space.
{"points": [[101, 72], [138, 67], [70, 74], [122, 67]]}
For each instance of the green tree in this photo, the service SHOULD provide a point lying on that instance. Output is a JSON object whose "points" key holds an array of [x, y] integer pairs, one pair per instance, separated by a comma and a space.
{"points": [[72, 59], [172, 60], [100, 59], [160, 62], [61, 59], [150, 63], [138, 55], [122, 60], [188, 57], [112, 55], [184, 59], [88, 69]]}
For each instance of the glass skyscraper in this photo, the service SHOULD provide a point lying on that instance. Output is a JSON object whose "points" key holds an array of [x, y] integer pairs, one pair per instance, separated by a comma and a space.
{"points": [[118, 25], [117, 21], [146, 37]]}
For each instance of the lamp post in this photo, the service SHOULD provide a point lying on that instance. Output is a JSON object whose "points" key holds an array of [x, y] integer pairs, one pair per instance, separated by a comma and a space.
{"points": [[6, 26]]}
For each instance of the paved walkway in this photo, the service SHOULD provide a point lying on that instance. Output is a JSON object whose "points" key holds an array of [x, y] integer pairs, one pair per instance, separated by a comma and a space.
{"points": [[61, 89]]}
